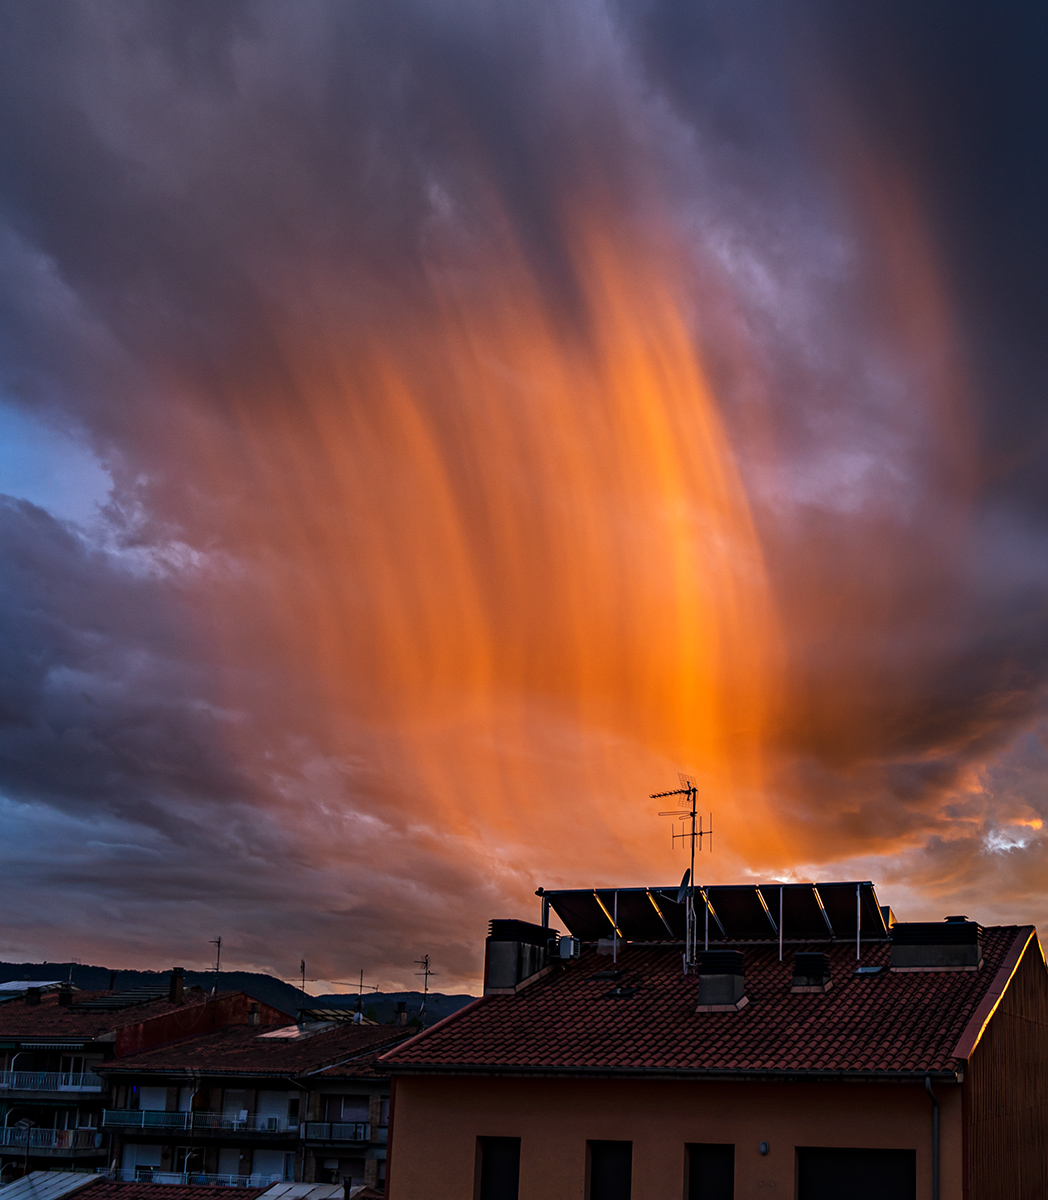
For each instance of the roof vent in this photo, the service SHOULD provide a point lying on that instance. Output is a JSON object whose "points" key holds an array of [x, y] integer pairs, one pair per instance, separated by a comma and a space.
{"points": [[951, 945], [32, 996], [515, 952], [722, 981], [811, 972]]}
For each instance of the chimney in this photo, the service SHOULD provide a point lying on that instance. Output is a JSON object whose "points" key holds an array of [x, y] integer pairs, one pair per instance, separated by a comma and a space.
{"points": [[951, 945], [112, 981], [402, 1012], [722, 981], [254, 1015], [177, 985], [65, 995], [811, 972], [514, 952], [32, 996]]}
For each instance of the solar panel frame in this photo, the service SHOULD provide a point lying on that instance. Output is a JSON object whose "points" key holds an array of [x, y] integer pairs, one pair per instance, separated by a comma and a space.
{"points": [[742, 912], [802, 915], [739, 912]]}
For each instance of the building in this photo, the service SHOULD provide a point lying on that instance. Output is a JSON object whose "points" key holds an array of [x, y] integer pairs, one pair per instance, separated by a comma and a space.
{"points": [[813, 1049], [300, 1102], [53, 1041]]}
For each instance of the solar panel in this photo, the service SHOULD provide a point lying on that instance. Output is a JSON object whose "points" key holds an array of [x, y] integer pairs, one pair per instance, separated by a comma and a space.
{"points": [[742, 912], [803, 916], [581, 914], [812, 912], [839, 900], [120, 1000]]}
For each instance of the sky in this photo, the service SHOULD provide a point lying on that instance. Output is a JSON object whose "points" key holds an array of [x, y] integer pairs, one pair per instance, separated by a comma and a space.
{"points": [[426, 428]]}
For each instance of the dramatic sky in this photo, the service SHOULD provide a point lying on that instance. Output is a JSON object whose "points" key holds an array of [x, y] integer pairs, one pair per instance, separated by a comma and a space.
{"points": [[428, 426]]}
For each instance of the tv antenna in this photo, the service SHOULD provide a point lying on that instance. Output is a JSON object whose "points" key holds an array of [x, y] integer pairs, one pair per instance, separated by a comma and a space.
{"points": [[371, 987], [217, 943], [692, 832], [425, 973]]}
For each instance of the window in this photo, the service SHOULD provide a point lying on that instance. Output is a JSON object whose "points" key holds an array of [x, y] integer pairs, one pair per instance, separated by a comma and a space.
{"points": [[346, 1109], [498, 1168], [710, 1171], [609, 1170], [825, 1173]]}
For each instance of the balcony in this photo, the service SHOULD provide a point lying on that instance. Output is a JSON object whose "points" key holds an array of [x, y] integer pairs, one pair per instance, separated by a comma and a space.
{"points": [[145, 1118], [155, 1175], [50, 1081], [50, 1139], [338, 1131]]}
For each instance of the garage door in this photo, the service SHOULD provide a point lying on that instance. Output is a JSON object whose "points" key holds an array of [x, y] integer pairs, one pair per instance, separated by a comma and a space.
{"points": [[825, 1173]]}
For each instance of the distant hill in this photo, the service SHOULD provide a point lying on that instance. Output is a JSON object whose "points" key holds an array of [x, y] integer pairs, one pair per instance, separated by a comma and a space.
{"points": [[285, 996], [382, 1006]]}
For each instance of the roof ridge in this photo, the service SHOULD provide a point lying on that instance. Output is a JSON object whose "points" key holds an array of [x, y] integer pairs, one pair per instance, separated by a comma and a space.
{"points": [[441, 1024], [362, 1053], [976, 1026]]}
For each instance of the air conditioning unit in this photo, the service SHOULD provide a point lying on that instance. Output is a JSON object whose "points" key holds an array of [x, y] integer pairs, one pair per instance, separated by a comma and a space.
{"points": [[569, 947]]}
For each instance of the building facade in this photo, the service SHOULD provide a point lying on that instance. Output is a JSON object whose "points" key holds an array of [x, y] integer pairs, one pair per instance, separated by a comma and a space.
{"points": [[302, 1102], [54, 1042], [797, 1054]]}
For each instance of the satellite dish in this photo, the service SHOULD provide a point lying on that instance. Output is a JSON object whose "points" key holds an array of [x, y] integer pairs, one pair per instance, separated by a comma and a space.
{"points": [[682, 891]]}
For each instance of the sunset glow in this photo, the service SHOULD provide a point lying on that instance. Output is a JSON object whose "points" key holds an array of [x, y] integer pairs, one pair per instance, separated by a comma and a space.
{"points": [[433, 427]]}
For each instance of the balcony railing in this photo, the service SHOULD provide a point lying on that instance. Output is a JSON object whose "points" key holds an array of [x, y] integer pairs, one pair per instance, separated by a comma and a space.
{"points": [[337, 1131], [155, 1175], [51, 1139], [50, 1081], [146, 1118]]}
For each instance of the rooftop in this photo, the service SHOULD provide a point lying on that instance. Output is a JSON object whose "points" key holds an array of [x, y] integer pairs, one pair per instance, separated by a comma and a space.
{"points": [[260, 1050], [86, 1017], [581, 1018]]}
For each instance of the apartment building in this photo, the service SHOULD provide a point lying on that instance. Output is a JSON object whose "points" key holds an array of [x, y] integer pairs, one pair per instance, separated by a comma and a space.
{"points": [[53, 1041], [304, 1102], [802, 1047]]}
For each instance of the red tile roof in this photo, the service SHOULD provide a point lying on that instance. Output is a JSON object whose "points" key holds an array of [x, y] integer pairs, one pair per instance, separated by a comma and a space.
{"points": [[49, 1019], [246, 1050], [567, 1021], [113, 1190]]}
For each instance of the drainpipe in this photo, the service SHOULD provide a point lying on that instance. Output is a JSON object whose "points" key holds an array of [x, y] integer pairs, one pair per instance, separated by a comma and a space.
{"points": [[935, 1137]]}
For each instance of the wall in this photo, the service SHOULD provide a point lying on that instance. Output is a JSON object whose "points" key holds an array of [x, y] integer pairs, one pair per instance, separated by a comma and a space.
{"points": [[192, 1019], [1007, 1091], [437, 1120]]}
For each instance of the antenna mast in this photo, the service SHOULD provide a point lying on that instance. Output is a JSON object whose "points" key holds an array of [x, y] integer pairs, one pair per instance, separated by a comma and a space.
{"points": [[688, 812], [371, 987], [217, 943], [423, 962]]}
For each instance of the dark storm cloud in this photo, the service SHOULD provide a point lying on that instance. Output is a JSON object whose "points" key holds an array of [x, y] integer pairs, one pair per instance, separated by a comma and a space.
{"points": [[101, 701]]}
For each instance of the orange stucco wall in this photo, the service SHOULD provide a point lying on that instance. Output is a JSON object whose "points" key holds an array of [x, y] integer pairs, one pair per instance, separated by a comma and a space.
{"points": [[437, 1122]]}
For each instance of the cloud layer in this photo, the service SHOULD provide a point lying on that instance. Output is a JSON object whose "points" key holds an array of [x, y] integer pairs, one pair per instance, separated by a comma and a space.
{"points": [[504, 409]]}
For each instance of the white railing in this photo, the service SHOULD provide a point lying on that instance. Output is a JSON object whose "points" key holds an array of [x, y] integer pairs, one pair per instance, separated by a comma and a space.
{"points": [[156, 1175], [50, 1139], [337, 1131], [145, 1118], [50, 1081]]}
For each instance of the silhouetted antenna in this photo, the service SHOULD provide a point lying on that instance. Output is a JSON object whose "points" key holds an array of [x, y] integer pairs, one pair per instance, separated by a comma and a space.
{"points": [[302, 972], [692, 832], [371, 987], [217, 943], [425, 973]]}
